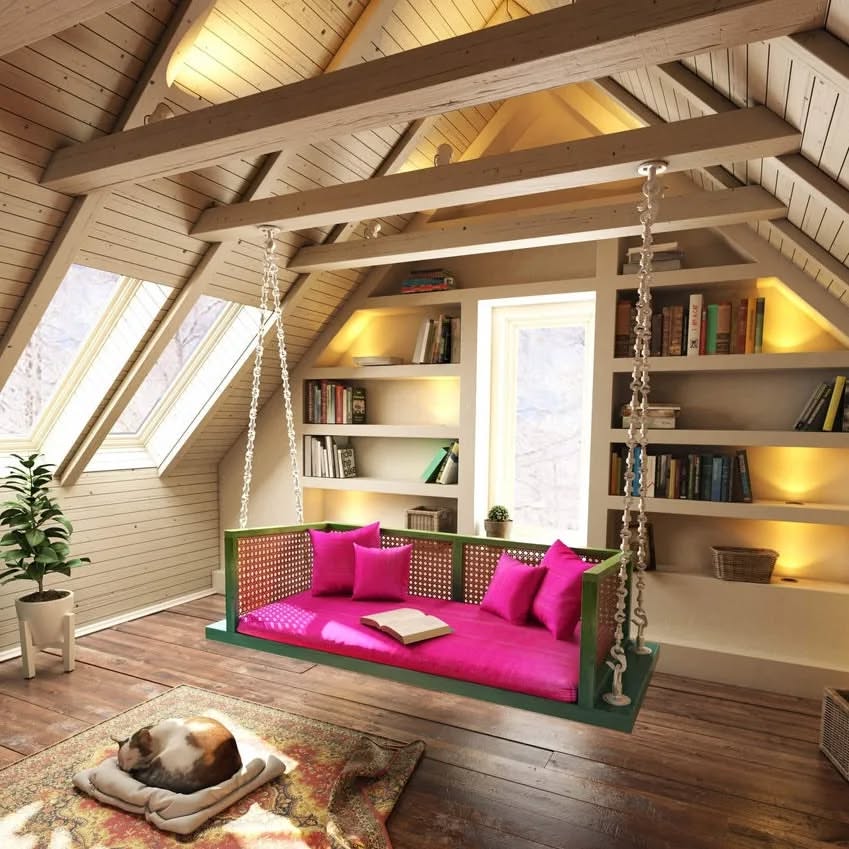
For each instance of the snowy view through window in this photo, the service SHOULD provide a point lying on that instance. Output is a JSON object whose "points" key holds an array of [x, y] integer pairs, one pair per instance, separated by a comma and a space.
{"points": [[173, 359], [75, 309], [549, 428]]}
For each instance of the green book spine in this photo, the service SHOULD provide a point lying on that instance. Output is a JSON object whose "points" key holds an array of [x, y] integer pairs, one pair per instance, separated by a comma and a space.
{"points": [[712, 324], [760, 306]]}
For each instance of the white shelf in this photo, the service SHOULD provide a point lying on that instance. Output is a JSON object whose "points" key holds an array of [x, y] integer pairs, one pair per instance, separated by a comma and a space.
{"points": [[777, 511], [393, 304], [395, 487], [418, 431], [834, 360], [776, 438], [775, 584], [686, 278], [402, 371]]}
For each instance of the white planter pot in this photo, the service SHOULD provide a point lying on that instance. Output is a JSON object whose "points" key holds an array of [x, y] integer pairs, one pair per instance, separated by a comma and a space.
{"points": [[45, 618]]}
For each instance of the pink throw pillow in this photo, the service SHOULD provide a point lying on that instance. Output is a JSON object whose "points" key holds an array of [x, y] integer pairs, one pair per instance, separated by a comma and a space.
{"points": [[557, 603], [382, 573], [333, 557], [511, 591]]}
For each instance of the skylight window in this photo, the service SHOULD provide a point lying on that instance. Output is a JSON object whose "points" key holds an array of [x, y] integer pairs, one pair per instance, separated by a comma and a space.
{"points": [[194, 329], [75, 310]]}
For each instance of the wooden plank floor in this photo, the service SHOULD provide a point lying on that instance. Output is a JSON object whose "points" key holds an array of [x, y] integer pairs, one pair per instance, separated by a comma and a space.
{"points": [[708, 767]]}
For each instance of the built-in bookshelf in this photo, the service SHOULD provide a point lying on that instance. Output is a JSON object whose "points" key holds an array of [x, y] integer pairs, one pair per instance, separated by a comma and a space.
{"points": [[412, 410], [744, 402]]}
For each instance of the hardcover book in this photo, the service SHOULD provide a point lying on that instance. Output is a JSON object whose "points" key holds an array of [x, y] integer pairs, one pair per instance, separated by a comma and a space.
{"points": [[407, 625], [694, 325]]}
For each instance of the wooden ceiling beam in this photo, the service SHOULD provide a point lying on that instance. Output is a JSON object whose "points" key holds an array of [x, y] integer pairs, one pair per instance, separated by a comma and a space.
{"points": [[24, 22], [569, 44], [601, 159], [533, 228]]}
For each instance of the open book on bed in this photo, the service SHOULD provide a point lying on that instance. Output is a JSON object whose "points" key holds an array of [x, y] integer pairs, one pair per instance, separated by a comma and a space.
{"points": [[407, 625]]}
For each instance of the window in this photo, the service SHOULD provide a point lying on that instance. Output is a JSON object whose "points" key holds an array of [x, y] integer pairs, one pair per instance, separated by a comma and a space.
{"points": [[78, 305], [541, 358], [170, 364]]}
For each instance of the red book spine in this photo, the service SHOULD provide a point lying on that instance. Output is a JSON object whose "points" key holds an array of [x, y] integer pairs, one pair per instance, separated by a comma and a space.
{"points": [[703, 334], [740, 337], [323, 412], [340, 402]]}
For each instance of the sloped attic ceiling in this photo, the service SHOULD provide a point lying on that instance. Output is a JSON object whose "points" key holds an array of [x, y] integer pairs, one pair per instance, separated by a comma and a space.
{"points": [[111, 72]]}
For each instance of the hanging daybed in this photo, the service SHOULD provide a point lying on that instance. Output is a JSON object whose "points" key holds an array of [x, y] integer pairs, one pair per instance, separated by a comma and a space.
{"points": [[596, 674]]}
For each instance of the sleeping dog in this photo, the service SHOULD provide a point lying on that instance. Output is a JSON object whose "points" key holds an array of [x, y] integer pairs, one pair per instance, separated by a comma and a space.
{"points": [[183, 755]]}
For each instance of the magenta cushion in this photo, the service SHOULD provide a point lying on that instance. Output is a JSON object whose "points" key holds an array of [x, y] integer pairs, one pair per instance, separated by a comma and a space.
{"points": [[557, 603], [483, 648], [333, 557], [511, 591], [382, 573]]}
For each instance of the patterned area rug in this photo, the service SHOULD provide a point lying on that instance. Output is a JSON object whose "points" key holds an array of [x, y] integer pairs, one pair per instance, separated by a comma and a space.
{"points": [[337, 792]]}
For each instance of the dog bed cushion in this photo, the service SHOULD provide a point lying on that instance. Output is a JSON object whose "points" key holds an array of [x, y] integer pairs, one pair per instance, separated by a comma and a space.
{"points": [[181, 813]]}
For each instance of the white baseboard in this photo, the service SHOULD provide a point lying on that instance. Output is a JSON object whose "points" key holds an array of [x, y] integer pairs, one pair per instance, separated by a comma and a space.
{"points": [[103, 624], [759, 673]]}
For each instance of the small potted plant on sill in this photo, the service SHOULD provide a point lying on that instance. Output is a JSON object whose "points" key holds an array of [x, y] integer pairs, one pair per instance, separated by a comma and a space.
{"points": [[498, 522], [35, 545]]}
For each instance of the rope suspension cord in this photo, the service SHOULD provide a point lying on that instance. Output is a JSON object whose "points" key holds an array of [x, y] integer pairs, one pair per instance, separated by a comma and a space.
{"points": [[270, 288], [636, 438]]}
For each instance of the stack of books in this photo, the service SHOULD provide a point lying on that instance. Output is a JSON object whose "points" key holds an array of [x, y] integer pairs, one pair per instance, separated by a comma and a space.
{"points": [[697, 477], [658, 416], [427, 280], [328, 457], [665, 257], [328, 402], [438, 341], [827, 408]]}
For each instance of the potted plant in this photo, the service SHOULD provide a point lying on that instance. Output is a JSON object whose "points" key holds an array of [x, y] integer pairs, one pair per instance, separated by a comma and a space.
{"points": [[498, 522], [35, 545]]}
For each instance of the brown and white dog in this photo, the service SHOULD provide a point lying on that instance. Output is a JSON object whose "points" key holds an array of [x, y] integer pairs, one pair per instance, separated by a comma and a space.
{"points": [[183, 755]]}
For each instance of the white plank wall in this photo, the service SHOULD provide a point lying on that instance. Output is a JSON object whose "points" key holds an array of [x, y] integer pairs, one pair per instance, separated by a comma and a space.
{"points": [[149, 539]]}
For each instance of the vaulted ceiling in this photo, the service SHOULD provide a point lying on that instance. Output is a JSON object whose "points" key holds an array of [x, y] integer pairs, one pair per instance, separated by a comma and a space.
{"points": [[131, 67]]}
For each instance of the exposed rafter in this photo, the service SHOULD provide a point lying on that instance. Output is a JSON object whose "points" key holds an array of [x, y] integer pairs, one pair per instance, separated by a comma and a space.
{"points": [[84, 212], [600, 159], [24, 22], [362, 33], [549, 225], [570, 44]]}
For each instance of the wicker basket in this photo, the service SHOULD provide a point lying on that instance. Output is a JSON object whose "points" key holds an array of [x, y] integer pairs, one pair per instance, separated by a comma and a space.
{"points": [[744, 564], [834, 730], [422, 519]]}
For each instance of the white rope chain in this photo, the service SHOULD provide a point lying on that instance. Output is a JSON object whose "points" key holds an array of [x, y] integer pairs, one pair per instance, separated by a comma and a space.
{"points": [[270, 285], [636, 435]]}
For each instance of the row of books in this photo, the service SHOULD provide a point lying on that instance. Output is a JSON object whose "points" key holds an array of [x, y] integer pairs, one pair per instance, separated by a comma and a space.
{"points": [[827, 408], [427, 280], [695, 329], [328, 402], [697, 477], [438, 341], [328, 457], [444, 466], [665, 257]]}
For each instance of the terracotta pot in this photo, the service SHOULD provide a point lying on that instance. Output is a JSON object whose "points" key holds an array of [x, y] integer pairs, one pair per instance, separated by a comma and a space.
{"points": [[45, 618], [498, 529]]}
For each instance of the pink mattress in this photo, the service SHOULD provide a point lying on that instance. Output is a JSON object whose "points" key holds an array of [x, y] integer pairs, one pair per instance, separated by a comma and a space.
{"points": [[483, 649]]}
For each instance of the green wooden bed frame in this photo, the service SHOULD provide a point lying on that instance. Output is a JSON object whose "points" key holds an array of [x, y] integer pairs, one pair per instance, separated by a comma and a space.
{"points": [[264, 565]]}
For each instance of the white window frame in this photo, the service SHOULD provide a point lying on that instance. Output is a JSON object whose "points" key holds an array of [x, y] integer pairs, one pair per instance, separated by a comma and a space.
{"points": [[507, 318]]}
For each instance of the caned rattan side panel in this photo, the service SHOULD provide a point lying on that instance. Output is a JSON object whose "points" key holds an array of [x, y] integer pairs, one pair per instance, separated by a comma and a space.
{"points": [[430, 568], [834, 730], [271, 567], [606, 612], [479, 562]]}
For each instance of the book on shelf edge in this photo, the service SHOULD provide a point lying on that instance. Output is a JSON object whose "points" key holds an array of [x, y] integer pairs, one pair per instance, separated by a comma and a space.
{"points": [[750, 327], [745, 481], [740, 333], [407, 625], [694, 325], [435, 464], [723, 329], [712, 328], [802, 418], [760, 307], [835, 402], [358, 405]]}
